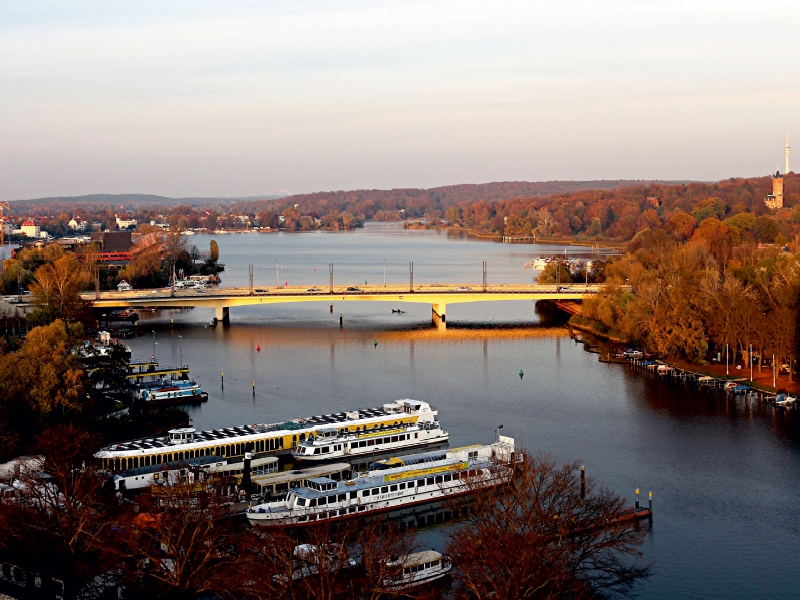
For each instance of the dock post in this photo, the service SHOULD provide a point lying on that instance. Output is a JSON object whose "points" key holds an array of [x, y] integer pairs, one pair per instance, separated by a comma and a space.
{"points": [[583, 482], [254, 388], [222, 378], [331, 307], [341, 322], [637, 499], [650, 504]]}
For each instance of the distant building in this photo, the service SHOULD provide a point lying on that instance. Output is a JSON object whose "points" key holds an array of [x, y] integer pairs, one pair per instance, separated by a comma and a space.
{"points": [[775, 199], [113, 241], [124, 286], [656, 202], [77, 224], [124, 223], [30, 229]]}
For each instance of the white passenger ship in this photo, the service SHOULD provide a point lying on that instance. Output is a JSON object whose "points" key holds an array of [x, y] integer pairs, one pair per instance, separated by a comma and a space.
{"points": [[330, 443], [422, 478], [259, 438]]}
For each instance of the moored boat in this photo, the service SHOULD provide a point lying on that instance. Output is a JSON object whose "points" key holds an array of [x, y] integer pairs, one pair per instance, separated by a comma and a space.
{"points": [[330, 443], [259, 438], [175, 391], [418, 568], [447, 475]]}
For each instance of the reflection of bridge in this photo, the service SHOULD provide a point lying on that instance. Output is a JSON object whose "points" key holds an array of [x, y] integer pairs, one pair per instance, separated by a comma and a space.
{"points": [[437, 295]]}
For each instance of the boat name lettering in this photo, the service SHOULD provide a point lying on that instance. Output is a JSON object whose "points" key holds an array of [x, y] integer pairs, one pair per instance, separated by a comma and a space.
{"points": [[371, 434], [422, 472]]}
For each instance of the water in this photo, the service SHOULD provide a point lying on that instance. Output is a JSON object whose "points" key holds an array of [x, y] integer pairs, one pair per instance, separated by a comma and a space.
{"points": [[724, 475]]}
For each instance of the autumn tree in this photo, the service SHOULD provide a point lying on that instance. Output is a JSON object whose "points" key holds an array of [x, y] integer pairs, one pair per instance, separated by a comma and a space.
{"points": [[543, 537], [56, 292], [214, 251], [41, 384], [61, 522]]}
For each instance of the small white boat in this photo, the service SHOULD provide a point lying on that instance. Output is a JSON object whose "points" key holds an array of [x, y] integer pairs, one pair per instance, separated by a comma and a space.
{"points": [[785, 400], [418, 568]]}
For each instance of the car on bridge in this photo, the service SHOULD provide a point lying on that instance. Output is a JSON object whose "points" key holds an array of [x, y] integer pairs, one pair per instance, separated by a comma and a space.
{"points": [[314, 290], [463, 288], [261, 291], [353, 289]]}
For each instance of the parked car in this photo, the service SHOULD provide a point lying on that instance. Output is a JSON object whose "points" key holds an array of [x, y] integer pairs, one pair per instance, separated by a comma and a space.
{"points": [[353, 289]]}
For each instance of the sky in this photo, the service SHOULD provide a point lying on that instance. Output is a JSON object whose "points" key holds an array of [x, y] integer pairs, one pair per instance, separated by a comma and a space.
{"points": [[243, 98]]}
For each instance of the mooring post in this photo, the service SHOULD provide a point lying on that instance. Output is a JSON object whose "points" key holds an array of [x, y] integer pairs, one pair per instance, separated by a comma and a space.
{"points": [[650, 504], [254, 388], [222, 378], [331, 307], [637, 499], [341, 320]]}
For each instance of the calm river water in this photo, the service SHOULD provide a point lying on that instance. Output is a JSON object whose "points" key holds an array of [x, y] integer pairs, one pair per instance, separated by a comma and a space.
{"points": [[725, 476]]}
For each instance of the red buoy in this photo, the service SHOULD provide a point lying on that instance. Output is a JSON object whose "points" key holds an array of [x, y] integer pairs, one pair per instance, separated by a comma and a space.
{"points": [[258, 348]]}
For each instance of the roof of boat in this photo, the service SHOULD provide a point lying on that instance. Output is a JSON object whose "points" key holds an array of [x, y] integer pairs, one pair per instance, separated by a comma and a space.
{"points": [[289, 476], [419, 558]]}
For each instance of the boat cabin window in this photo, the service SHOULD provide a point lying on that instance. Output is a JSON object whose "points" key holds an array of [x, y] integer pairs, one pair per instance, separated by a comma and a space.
{"points": [[472, 455], [353, 495], [375, 491], [393, 488], [430, 481], [342, 497], [301, 502], [365, 493], [323, 500], [384, 489], [448, 477]]}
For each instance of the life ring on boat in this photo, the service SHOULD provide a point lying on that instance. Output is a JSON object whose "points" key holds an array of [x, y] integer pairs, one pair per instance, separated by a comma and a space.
{"points": [[254, 426]]}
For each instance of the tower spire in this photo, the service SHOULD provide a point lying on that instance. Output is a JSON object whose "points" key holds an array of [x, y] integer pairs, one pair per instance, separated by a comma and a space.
{"points": [[787, 150]]}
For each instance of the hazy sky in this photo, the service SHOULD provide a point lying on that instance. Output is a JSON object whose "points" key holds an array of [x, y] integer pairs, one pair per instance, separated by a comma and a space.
{"points": [[209, 98]]}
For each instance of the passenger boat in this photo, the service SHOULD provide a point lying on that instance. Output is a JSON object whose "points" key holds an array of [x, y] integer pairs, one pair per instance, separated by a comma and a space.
{"points": [[420, 479], [330, 443], [174, 391], [259, 438], [418, 568]]}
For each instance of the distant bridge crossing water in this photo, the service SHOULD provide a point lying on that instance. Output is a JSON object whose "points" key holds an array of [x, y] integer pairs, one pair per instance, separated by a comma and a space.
{"points": [[437, 295]]}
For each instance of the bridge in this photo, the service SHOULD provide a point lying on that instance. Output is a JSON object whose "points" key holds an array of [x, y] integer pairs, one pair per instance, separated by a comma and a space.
{"points": [[437, 295]]}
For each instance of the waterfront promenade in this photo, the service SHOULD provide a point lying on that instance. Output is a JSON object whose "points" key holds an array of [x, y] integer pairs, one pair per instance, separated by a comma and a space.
{"points": [[222, 299]]}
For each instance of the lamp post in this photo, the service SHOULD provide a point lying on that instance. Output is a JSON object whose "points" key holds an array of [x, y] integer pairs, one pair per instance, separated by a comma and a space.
{"points": [[727, 370], [154, 345]]}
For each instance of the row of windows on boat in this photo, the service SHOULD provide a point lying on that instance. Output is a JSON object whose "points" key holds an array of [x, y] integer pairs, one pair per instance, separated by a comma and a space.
{"points": [[423, 567], [386, 489], [361, 444], [133, 462]]}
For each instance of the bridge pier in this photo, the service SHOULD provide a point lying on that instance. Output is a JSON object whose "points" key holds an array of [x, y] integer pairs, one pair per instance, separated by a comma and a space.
{"points": [[438, 317], [223, 314]]}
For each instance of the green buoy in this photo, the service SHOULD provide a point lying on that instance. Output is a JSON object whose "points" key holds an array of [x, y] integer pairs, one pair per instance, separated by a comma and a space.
{"points": [[376, 343], [521, 373]]}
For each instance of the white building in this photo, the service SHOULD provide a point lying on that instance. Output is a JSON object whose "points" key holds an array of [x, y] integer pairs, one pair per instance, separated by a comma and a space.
{"points": [[124, 286], [125, 223], [77, 224], [30, 229]]}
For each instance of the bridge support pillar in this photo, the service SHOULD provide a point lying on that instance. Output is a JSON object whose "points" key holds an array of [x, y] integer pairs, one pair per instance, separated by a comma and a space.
{"points": [[438, 315], [223, 315]]}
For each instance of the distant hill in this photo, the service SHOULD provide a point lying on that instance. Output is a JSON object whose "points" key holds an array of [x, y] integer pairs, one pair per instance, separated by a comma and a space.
{"points": [[417, 201], [130, 202]]}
